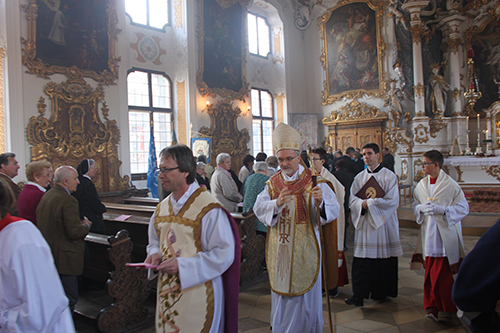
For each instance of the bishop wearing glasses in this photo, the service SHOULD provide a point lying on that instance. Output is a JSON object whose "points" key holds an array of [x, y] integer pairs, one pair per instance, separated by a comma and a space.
{"points": [[288, 205]]}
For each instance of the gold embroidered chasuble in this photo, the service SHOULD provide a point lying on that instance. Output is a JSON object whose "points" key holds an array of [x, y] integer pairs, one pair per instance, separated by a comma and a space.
{"points": [[292, 249], [191, 309]]}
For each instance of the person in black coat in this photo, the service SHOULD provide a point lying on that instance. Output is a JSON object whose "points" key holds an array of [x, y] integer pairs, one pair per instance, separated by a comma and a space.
{"points": [[388, 159], [476, 290], [346, 178], [201, 175], [87, 196]]}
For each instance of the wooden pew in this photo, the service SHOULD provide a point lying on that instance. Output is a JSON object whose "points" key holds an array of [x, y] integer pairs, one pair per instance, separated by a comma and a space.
{"points": [[252, 245], [146, 201], [128, 209], [127, 286]]}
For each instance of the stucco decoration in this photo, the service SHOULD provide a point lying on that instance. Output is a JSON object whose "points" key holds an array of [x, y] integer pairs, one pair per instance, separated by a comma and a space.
{"points": [[421, 134], [148, 49]]}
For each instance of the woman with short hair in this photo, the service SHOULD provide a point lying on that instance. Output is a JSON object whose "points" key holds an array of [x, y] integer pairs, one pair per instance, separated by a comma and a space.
{"points": [[39, 176]]}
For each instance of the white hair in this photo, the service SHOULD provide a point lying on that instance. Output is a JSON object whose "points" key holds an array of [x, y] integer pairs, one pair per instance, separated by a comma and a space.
{"points": [[200, 165], [260, 166], [63, 172], [222, 157]]}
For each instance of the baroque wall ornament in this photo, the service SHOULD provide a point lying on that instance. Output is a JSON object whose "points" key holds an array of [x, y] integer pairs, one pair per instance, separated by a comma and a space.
{"points": [[419, 90], [398, 137], [148, 49], [421, 134], [436, 124], [354, 112], [404, 170], [74, 131], [352, 61], [90, 49], [454, 43], [417, 169], [222, 52], [493, 171], [226, 138]]}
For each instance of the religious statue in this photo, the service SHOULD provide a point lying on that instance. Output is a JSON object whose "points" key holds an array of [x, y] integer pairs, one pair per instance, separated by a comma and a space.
{"points": [[397, 14], [394, 98], [437, 92]]}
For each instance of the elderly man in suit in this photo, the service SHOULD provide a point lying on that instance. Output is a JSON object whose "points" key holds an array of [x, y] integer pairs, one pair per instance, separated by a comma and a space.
{"points": [[59, 221], [8, 170]]}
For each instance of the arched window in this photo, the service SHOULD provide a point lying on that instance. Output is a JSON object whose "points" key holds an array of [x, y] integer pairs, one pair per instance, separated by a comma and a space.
{"points": [[263, 121], [148, 13], [149, 103]]}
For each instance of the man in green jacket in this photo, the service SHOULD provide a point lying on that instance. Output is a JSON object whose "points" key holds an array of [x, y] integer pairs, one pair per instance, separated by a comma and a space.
{"points": [[59, 221]]}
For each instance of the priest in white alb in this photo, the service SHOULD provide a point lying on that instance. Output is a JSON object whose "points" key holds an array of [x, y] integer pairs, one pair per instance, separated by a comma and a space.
{"points": [[195, 242], [288, 205], [439, 207]]}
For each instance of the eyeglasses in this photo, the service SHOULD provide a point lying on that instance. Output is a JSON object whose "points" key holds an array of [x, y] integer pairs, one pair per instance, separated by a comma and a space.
{"points": [[424, 164], [288, 159], [165, 170]]}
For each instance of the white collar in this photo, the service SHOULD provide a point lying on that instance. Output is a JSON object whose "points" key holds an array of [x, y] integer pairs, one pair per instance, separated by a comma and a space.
{"points": [[178, 204], [37, 185]]}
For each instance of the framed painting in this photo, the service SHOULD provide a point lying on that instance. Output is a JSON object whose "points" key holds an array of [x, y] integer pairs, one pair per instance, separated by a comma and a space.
{"points": [[307, 125], [485, 42], [222, 50], [353, 50], [68, 36], [201, 146]]}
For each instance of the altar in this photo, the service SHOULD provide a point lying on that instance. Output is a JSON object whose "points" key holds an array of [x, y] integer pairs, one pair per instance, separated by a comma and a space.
{"points": [[473, 171]]}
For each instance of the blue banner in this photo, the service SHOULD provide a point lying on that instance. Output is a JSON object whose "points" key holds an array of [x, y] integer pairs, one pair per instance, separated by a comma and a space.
{"points": [[152, 166]]}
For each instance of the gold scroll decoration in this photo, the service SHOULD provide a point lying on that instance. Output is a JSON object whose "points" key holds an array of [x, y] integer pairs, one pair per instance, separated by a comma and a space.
{"points": [[226, 138], [436, 124], [74, 131], [421, 134]]}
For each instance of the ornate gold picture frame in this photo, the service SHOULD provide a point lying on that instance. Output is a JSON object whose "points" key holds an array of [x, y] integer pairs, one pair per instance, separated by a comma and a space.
{"points": [[76, 36], [222, 48], [353, 50]]}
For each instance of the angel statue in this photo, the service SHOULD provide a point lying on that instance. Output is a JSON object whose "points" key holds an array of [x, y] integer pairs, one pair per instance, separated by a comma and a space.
{"points": [[437, 92], [394, 98]]}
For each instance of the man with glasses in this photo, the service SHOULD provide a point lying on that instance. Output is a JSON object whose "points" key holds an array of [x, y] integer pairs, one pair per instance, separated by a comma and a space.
{"points": [[195, 243], [439, 207], [374, 202], [288, 205]]}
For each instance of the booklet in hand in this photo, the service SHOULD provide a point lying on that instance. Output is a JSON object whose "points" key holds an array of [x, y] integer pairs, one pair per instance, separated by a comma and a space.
{"points": [[371, 190], [141, 265]]}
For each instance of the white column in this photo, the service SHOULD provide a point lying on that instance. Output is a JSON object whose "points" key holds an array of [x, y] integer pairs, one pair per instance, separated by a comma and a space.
{"points": [[417, 29]]}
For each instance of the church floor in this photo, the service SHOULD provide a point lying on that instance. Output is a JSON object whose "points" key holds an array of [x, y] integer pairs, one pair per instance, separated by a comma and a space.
{"points": [[403, 314]]}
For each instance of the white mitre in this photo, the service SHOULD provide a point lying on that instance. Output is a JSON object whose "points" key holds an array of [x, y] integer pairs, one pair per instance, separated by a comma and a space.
{"points": [[286, 137]]}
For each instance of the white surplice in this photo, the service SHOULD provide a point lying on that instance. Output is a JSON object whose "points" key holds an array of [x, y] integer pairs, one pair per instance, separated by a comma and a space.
{"points": [[217, 242], [377, 231], [32, 298], [297, 314], [441, 235]]}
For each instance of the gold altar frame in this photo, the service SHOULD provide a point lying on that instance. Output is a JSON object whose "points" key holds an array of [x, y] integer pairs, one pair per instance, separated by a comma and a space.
{"points": [[492, 87], [327, 97], [225, 93], [37, 66]]}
